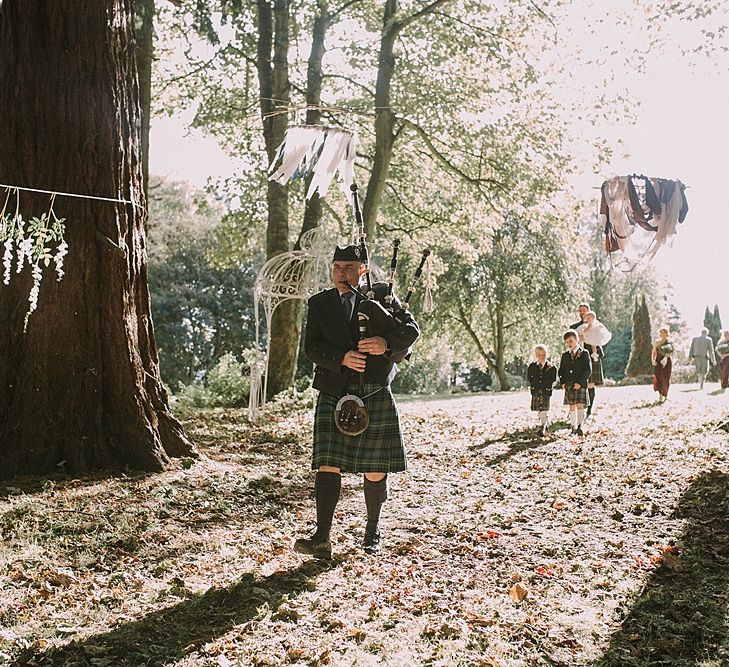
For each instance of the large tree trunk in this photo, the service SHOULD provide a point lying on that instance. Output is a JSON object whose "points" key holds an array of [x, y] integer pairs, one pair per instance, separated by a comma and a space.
{"points": [[314, 76], [384, 118], [144, 25], [273, 77], [385, 135], [499, 363], [83, 384]]}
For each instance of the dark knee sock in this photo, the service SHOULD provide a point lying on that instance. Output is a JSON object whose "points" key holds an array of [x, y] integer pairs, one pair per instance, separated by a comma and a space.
{"points": [[375, 494], [591, 394], [327, 487]]}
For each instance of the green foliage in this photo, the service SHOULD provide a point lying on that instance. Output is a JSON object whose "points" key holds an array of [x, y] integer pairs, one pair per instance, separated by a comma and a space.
{"points": [[425, 375], [228, 386], [202, 309], [478, 380], [617, 353], [498, 292], [640, 362]]}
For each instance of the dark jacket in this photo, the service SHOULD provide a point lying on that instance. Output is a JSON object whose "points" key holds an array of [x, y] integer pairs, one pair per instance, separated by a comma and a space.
{"points": [[575, 370], [329, 337], [541, 381]]}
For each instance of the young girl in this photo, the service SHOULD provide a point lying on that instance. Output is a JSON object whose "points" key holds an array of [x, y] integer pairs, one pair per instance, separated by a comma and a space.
{"points": [[661, 356], [541, 374], [574, 373]]}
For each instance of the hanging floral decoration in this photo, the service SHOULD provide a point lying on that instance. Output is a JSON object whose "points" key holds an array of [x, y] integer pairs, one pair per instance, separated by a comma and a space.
{"points": [[36, 242]]}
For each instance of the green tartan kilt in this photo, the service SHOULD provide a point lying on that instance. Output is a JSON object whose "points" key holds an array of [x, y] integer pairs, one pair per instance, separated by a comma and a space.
{"points": [[597, 377], [540, 402], [573, 396], [379, 449]]}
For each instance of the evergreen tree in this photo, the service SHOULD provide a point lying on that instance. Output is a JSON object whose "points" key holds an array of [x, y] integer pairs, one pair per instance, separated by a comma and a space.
{"points": [[641, 344]]}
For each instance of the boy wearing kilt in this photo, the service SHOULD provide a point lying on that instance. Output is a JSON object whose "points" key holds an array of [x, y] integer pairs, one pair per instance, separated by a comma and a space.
{"points": [[575, 369], [331, 342], [542, 375]]}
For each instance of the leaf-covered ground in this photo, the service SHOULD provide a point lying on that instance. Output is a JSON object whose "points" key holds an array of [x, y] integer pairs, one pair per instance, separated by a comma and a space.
{"points": [[501, 549]]}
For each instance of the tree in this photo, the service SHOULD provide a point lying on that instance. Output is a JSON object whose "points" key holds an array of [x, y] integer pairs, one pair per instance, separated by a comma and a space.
{"points": [[81, 388], [203, 308], [640, 362], [144, 11], [398, 72], [497, 296]]}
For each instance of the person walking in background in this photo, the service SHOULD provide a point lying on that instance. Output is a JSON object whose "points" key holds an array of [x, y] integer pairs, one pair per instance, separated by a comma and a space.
{"points": [[593, 334], [661, 356], [574, 373], [722, 350], [541, 374], [702, 355]]}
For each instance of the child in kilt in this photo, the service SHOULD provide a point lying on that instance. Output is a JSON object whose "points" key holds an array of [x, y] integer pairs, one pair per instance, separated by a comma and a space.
{"points": [[541, 374], [575, 369]]}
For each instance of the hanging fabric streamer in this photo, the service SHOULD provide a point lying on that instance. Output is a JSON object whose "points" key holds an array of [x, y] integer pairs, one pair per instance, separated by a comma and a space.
{"points": [[316, 151], [640, 215]]}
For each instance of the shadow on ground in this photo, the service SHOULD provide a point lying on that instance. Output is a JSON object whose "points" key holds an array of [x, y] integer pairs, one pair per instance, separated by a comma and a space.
{"points": [[680, 618], [518, 441], [164, 637]]}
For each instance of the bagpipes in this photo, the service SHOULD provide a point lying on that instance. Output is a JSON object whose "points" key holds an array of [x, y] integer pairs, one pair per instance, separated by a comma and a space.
{"points": [[379, 314]]}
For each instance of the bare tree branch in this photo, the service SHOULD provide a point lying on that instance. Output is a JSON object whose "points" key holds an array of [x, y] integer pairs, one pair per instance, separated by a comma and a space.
{"points": [[477, 181], [428, 9], [354, 82]]}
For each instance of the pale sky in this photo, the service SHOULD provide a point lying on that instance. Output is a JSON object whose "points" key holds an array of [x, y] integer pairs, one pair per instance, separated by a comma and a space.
{"points": [[681, 131]]}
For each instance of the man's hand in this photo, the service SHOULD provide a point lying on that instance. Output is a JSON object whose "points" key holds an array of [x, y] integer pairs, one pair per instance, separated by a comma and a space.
{"points": [[373, 345], [354, 360]]}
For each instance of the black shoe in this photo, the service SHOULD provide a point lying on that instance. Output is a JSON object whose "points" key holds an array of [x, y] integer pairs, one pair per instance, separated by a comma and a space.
{"points": [[371, 542], [312, 546], [579, 431]]}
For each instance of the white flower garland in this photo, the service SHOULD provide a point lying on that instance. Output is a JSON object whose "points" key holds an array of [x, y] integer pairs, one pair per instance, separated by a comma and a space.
{"points": [[37, 242]]}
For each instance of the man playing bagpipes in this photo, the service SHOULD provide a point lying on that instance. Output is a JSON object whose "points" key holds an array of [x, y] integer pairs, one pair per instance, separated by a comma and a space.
{"points": [[354, 364]]}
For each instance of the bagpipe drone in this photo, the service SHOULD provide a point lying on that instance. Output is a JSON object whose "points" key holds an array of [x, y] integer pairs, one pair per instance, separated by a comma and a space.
{"points": [[379, 314]]}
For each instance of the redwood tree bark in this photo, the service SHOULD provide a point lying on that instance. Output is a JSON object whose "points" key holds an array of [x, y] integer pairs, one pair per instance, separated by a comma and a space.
{"points": [[144, 19], [82, 386]]}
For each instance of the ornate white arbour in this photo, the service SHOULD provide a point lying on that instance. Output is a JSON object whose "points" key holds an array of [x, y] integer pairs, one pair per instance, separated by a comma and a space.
{"points": [[296, 274]]}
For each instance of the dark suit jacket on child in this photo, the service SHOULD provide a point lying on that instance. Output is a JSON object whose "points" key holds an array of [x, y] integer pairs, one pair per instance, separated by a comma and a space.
{"points": [[577, 369], [541, 381]]}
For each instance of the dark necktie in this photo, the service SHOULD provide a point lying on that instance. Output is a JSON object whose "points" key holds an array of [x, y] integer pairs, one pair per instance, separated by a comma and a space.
{"points": [[347, 303]]}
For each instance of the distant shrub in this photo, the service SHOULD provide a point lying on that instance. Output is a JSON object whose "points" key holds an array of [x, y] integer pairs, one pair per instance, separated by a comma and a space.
{"points": [[516, 381], [301, 396], [227, 386], [424, 375], [478, 380]]}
